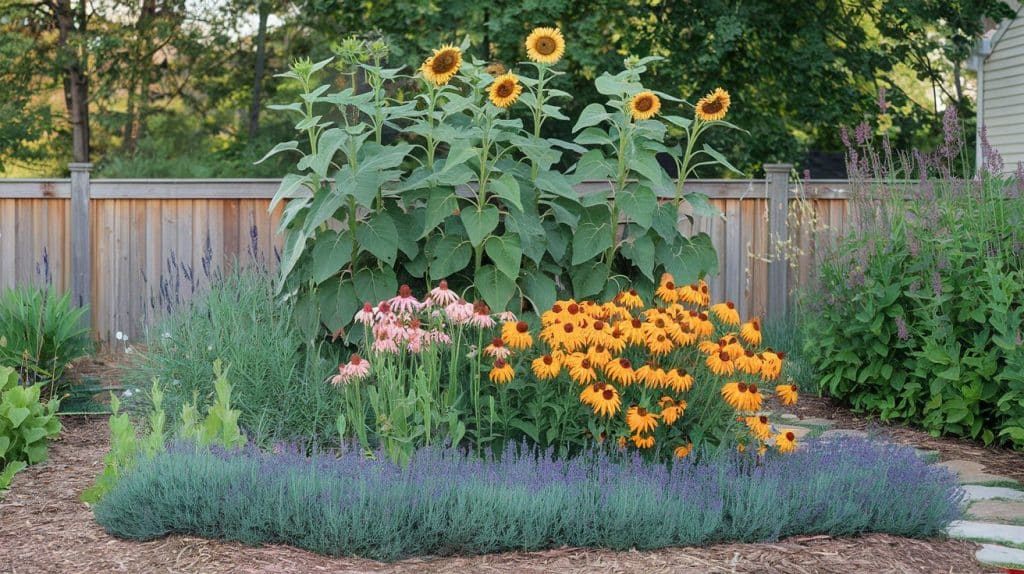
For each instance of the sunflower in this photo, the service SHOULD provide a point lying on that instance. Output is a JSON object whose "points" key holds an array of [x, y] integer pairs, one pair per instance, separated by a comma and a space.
{"points": [[683, 451], [713, 106], [502, 372], [621, 371], [787, 394], [759, 427], [679, 380], [630, 299], [582, 371], [667, 289], [749, 362], [545, 45], [640, 419], [496, 68], [726, 313], [771, 365], [546, 367], [720, 363], [440, 68], [751, 331], [671, 410], [644, 106], [642, 441], [785, 441], [607, 402], [505, 90], [517, 335]]}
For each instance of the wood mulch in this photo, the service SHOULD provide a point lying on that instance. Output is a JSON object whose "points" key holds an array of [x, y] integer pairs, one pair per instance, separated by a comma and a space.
{"points": [[45, 528]]}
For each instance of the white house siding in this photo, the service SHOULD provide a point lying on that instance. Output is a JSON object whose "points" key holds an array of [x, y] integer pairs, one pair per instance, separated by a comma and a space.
{"points": [[1003, 93]]}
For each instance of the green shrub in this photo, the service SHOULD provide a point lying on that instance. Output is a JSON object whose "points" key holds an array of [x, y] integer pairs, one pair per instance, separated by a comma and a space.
{"points": [[923, 304], [40, 333], [26, 425], [279, 387]]}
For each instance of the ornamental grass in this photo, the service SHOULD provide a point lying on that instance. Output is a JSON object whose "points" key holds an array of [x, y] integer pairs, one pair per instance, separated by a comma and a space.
{"points": [[447, 502]]}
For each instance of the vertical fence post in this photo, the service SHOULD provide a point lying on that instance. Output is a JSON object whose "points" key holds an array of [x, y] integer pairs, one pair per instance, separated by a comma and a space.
{"points": [[777, 183], [81, 241]]}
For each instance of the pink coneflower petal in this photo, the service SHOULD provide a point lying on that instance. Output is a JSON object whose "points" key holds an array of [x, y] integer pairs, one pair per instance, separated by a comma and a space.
{"points": [[507, 317], [365, 315], [459, 312], [442, 295]]}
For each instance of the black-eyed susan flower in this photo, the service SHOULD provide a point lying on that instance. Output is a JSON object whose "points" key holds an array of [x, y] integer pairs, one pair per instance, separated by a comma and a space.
{"points": [[568, 337], [517, 335], [666, 290], [644, 106], [607, 402], [749, 363], [720, 363], [713, 106], [741, 396], [630, 299], [785, 441], [683, 451], [683, 333], [759, 427], [751, 332], [659, 344], [633, 330], [650, 375], [552, 315], [616, 340], [502, 372], [726, 313], [505, 90], [440, 68], [788, 394], [599, 334], [545, 45], [642, 441], [733, 346], [672, 409], [599, 356], [771, 365], [582, 371], [678, 380], [640, 420], [621, 371], [689, 294], [546, 367], [589, 393], [708, 347]]}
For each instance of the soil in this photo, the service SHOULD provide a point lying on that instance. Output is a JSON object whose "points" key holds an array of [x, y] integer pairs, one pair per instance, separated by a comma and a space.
{"points": [[45, 528]]}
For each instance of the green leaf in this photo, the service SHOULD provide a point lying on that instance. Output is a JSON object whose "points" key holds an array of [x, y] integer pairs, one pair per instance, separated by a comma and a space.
{"points": [[451, 255], [507, 188], [331, 252], [494, 286], [666, 221], [16, 414], [407, 225], [327, 146], [294, 245], [479, 223], [639, 204], [593, 235], [721, 159], [540, 290], [589, 279], [609, 85], [594, 166], [556, 184], [594, 136], [281, 147], [441, 204], [591, 115], [506, 253], [338, 304], [461, 151], [290, 186], [639, 249], [687, 259], [701, 205], [379, 236], [678, 121], [375, 283]]}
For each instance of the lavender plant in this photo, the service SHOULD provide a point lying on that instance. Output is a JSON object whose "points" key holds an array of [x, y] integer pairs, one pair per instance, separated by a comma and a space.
{"points": [[445, 502]]}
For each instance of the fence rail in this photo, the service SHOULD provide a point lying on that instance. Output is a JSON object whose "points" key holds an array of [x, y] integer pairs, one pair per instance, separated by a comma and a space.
{"points": [[132, 248]]}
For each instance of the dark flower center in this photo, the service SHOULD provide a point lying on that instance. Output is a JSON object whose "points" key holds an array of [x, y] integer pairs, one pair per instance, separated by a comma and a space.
{"points": [[443, 62], [645, 104], [712, 107], [548, 359], [608, 394], [505, 89], [545, 45], [522, 327]]}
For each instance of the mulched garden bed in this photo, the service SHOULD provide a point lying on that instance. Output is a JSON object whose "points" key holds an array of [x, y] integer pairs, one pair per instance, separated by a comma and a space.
{"points": [[44, 528]]}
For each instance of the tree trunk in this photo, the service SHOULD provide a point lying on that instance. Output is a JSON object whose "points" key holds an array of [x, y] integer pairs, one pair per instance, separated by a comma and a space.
{"points": [[76, 80], [261, 62]]}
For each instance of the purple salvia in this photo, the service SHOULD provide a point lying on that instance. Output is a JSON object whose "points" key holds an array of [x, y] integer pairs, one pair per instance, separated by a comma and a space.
{"points": [[993, 162], [950, 133], [901, 329], [862, 133], [845, 135], [883, 106], [936, 284]]}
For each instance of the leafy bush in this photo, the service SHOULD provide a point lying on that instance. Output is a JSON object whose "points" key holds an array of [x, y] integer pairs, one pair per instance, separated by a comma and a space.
{"points": [[446, 502], [278, 385], [922, 308], [26, 426], [471, 192], [41, 333]]}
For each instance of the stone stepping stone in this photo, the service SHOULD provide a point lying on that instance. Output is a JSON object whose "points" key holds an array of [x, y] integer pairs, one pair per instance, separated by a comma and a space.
{"points": [[843, 433], [987, 532], [972, 472], [997, 511], [1001, 556], [929, 456], [789, 417], [978, 492]]}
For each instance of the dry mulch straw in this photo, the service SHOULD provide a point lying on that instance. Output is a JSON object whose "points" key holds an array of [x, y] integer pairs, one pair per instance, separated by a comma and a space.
{"points": [[44, 528]]}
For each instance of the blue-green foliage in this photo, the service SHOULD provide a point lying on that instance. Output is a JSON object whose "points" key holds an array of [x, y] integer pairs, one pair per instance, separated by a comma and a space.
{"points": [[445, 502]]}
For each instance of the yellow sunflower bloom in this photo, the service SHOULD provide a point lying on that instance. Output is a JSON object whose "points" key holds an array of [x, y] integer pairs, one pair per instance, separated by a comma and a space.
{"points": [[726, 313], [505, 90], [683, 451], [440, 68], [788, 394], [545, 45], [546, 367], [640, 419], [759, 427], [785, 441], [645, 106], [713, 106], [502, 372], [517, 335], [751, 331]]}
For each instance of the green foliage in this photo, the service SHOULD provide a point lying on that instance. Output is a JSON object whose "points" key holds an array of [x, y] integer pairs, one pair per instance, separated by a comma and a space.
{"points": [[26, 425], [495, 215], [923, 308], [278, 387], [124, 450], [41, 334]]}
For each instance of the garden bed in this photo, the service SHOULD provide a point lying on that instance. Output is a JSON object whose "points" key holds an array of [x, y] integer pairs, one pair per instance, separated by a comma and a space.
{"points": [[46, 528]]}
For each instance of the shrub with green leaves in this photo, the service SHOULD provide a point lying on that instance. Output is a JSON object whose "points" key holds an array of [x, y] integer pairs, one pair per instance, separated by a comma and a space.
{"points": [[921, 314], [41, 333], [26, 425]]}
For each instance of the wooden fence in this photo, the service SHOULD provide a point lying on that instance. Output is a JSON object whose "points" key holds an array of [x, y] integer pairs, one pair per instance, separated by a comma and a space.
{"points": [[133, 248]]}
